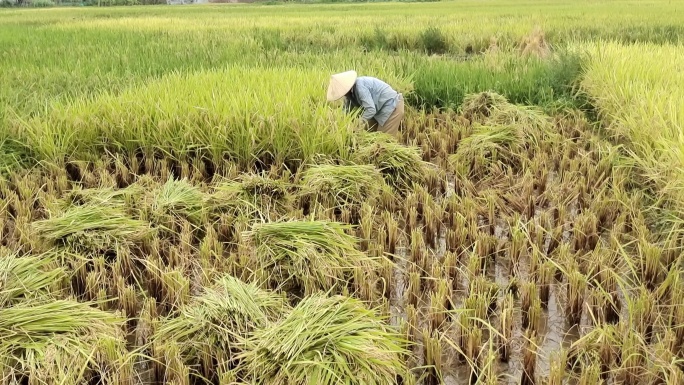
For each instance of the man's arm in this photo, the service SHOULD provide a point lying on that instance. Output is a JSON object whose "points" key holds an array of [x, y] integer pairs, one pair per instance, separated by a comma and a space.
{"points": [[348, 105], [366, 100]]}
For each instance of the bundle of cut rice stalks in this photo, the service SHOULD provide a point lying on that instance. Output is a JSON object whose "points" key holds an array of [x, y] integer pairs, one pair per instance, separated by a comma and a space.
{"points": [[62, 342], [178, 200], [210, 330], [253, 196], [400, 165], [26, 277], [326, 340], [307, 256], [92, 228], [340, 186]]}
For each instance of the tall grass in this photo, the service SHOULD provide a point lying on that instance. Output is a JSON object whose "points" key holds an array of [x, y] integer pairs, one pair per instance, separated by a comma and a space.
{"points": [[638, 92]]}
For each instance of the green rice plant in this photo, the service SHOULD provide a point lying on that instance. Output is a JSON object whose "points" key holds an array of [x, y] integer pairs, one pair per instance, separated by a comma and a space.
{"points": [[401, 166], [244, 113], [23, 278], [307, 255], [91, 227], [337, 186], [211, 329], [445, 83], [178, 199], [61, 341], [326, 340]]}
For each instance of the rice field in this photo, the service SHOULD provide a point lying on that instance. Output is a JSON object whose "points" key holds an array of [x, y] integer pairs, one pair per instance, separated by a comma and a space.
{"points": [[180, 205]]}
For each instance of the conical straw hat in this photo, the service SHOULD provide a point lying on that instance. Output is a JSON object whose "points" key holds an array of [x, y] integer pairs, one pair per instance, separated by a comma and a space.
{"points": [[340, 84]]}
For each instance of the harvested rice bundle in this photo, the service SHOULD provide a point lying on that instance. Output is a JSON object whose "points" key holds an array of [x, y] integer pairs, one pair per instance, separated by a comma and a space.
{"points": [[338, 186], [253, 196], [25, 277], [400, 165], [62, 342], [211, 329], [307, 255], [178, 199], [326, 340], [488, 145], [92, 228]]}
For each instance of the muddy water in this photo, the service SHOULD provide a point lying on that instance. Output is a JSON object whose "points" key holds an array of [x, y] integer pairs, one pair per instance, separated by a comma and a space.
{"points": [[553, 333]]}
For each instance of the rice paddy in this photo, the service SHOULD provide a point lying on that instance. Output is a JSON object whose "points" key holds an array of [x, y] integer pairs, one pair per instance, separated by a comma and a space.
{"points": [[185, 208]]}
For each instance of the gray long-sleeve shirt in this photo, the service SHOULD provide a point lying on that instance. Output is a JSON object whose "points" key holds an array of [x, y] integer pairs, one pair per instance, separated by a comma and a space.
{"points": [[376, 97]]}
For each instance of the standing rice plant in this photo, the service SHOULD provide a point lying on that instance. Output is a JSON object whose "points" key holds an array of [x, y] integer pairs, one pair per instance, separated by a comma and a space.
{"points": [[307, 255], [557, 368], [434, 360], [576, 289], [505, 334], [326, 340], [632, 357], [243, 113], [529, 358], [211, 329]]}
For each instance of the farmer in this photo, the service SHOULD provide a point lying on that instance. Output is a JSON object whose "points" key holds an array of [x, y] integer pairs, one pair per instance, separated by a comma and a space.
{"points": [[383, 107]]}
